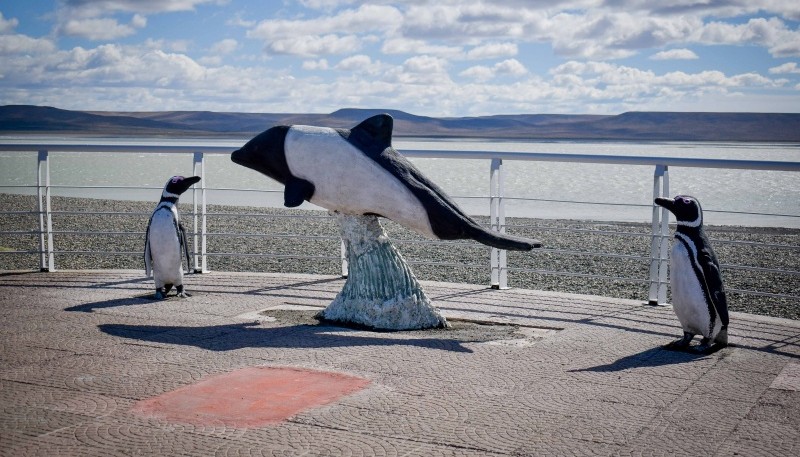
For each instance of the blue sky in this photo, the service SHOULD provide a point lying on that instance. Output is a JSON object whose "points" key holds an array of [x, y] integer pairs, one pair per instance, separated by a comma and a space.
{"points": [[427, 57]]}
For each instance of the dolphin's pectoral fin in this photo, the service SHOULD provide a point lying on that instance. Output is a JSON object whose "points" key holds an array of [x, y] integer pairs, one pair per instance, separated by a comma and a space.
{"points": [[297, 190]]}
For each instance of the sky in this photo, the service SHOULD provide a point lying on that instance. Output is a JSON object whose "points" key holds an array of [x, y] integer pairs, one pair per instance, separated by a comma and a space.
{"points": [[427, 57]]}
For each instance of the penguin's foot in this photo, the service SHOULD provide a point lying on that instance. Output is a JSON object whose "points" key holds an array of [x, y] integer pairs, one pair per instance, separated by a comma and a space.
{"points": [[681, 344], [705, 348], [182, 293], [722, 337], [160, 294]]}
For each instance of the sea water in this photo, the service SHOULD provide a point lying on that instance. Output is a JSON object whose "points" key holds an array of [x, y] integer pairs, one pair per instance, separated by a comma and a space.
{"points": [[532, 189]]}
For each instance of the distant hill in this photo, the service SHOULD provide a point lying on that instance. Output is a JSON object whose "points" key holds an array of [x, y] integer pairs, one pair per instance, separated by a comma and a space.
{"points": [[632, 126]]}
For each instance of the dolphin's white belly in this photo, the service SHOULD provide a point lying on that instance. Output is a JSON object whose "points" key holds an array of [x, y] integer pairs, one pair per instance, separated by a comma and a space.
{"points": [[347, 181], [165, 249], [688, 300]]}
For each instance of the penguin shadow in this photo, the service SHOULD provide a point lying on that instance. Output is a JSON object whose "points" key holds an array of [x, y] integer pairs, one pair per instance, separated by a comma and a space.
{"points": [[654, 357], [142, 299], [230, 337]]}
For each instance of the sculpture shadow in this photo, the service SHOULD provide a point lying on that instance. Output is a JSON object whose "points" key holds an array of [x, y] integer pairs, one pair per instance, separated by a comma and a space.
{"points": [[653, 357], [231, 337]]}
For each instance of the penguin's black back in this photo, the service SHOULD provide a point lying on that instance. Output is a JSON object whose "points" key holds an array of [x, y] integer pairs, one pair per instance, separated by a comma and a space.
{"points": [[706, 268]]}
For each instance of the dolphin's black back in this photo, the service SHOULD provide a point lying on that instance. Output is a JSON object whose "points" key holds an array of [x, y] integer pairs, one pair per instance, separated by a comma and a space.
{"points": [[373, 136]]}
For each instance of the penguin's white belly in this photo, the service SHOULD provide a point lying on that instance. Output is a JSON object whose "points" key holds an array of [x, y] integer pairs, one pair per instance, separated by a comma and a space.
{"points": [[165, 249], [688, 299], [347, 181]]}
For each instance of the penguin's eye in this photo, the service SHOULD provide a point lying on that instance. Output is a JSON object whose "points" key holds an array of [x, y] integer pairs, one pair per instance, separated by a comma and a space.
{"points": [[686, 201], [176, 179]]}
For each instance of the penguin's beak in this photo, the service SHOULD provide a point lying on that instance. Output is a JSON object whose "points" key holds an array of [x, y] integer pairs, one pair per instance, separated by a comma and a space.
{"points": [[667, 203], [186, 183]]}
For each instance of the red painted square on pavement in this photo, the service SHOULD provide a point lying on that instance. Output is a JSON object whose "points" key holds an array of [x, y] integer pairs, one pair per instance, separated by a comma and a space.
{"points": [[250, 397]]}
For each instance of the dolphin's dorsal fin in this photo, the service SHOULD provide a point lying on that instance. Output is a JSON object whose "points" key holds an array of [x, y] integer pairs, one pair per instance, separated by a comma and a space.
{"points": [[376, 129], [297, 190]]}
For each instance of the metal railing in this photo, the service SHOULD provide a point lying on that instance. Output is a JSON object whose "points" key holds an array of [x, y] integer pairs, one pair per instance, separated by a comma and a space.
{"points": [[499, 270]]}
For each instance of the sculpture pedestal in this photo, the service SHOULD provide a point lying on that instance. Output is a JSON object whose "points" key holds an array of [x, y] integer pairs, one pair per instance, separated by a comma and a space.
{"points": [[381, 292]]}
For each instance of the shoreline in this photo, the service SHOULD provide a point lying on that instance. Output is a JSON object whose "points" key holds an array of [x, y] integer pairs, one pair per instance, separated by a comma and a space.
{"points": [[270, 231]]}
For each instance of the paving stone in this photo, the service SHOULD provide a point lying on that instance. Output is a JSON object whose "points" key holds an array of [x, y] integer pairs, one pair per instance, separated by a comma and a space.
{"points": [[584, 375]]}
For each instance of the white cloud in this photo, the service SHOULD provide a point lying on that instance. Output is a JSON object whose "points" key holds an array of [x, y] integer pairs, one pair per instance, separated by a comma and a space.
{"points": [[101, 28], [321, 64], [24, 45], [7, 25], [226, 46], [425, 64], [675, 54], [324, 4], [364, 19], [95, 8], [138, 21], [787, 68], [411, 46], [354, 63], [314, 45], [771, 33], [481, 73], [493, 51]]}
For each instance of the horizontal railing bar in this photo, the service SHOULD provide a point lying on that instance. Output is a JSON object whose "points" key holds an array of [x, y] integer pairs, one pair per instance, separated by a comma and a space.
{"points": [[431, 153], [759, 269], [550, 200], [756, 243], [296, 216], [13, 213], [81, 232], [272, 235], [446, 264], [579, 275], [566, 229], [277, 256], [590, 254], [763, 294], [608, 159], [86, 186], [20, 232]]}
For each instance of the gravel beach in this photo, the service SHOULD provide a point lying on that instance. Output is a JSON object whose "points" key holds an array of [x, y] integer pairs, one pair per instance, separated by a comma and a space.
{"points": [[273, 231]]}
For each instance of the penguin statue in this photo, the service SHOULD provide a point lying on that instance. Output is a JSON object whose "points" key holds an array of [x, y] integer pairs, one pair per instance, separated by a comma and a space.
{"points": [[698, 295], [165, 240]]}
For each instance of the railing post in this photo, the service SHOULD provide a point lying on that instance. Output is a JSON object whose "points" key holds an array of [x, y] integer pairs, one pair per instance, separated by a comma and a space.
{"points": [[46, 256], [200, 258], [497, 216], [659, 239]]}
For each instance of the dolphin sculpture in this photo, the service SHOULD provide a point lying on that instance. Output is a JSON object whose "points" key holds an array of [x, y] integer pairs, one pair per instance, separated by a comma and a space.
{"points": [[357, 171]]}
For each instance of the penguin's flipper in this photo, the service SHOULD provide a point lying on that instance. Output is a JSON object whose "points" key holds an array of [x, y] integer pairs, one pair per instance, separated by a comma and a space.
{"points": [[681, 344], [184, 244], [148, 267], [297, 190], [716, 290]]}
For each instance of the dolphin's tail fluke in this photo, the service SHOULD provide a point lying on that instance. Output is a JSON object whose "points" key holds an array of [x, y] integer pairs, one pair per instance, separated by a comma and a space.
{"points": [[501, 240]]}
